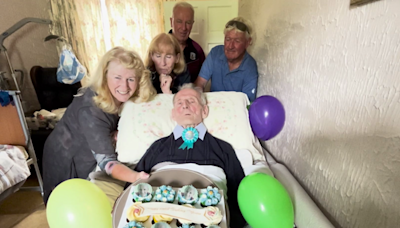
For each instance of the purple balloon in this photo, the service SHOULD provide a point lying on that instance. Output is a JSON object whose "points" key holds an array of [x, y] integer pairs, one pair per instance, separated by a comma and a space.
{"points": [[267, 117]]}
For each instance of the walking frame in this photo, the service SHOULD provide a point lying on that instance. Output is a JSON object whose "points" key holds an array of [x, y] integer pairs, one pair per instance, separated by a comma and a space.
{"points": [[9, 112]]}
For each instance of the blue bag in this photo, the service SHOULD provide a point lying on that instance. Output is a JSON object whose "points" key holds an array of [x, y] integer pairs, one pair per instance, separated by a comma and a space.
{"points": [[70, 70], [4, 98]]}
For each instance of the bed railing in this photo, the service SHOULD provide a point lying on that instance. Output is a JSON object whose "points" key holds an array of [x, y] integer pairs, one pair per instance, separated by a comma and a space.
{"points": [[14, 131]]}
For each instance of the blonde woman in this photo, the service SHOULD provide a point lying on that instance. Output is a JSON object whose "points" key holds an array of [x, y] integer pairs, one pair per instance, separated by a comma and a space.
{"points": [[82, 139], [166, 63]]}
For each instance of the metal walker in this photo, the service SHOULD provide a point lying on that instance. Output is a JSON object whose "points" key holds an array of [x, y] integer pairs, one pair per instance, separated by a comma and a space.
{"points": [[32, 160]]}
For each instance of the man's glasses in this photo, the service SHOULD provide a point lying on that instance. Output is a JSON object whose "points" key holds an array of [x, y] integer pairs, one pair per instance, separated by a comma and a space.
{"points": [[239, 25]]}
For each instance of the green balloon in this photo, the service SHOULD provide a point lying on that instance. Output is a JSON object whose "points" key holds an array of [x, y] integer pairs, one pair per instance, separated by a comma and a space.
{"points": [[264, 202], [78, 203]]}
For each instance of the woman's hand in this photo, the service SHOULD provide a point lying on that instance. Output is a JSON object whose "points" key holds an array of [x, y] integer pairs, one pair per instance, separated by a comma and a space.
{"points": [[115, 135], [165, 83], [139, 176], [143, 176], [124, 173], [114, 138]]}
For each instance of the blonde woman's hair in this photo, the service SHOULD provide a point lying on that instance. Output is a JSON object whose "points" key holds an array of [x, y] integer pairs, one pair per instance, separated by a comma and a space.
{"points": [[165, 43], [98, 81], [239, 24]]}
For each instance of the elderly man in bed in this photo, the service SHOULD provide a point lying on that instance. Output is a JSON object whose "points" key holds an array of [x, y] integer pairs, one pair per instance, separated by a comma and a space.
{"points": [[191, 143]]}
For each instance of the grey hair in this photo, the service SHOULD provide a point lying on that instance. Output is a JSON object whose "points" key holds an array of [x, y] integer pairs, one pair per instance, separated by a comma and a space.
{"points": [[244, 21], [203, 99], [182, 5]]}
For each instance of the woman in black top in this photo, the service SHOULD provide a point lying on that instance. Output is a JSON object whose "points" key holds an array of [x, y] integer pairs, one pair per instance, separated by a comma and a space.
{"points": [[166, 63], [82, 139]]}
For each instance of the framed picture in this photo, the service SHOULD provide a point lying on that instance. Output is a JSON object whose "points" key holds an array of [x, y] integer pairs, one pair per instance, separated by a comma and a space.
{"points": [[361, 2]]}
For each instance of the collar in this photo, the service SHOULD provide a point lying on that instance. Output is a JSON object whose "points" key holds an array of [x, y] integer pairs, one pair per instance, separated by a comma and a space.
{"points": [[179, 129]]}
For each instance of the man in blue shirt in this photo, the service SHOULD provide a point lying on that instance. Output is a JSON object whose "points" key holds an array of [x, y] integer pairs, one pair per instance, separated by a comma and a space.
{"points": [[229, 66]]}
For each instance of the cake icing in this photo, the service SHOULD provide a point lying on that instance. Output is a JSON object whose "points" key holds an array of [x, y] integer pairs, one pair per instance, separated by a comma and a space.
{"points": [[134, 224], [165, 194], [214, 216], [209, 196], [133, 212], [161, 225], [183, 221], [162, 218], [187, 226]]}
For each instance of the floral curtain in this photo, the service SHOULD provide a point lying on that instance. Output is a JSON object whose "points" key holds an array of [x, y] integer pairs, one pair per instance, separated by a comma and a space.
{"points": [[64, 23], [95, 26], [91, 23], [134, 23]]}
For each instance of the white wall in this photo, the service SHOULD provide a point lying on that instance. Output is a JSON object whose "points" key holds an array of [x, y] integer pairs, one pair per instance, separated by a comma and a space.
{"points": [[337, 72], [26, 47]]}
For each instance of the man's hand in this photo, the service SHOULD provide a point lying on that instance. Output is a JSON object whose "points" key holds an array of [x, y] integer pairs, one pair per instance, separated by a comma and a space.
{"points": [[165, 83], [200, 82]]}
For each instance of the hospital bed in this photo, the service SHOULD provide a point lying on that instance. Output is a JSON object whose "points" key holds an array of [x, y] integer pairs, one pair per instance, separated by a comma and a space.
{"points": [[16, 150], [143, 123], [14, 131], [17, 153]]}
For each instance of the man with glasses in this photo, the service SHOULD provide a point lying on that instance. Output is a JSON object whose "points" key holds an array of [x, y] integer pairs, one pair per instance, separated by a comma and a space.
{"points": [[229, 66], [182, 22]]}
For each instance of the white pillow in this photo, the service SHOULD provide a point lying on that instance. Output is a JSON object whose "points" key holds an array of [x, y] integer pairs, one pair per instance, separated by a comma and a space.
{"points": [[142, 124]]}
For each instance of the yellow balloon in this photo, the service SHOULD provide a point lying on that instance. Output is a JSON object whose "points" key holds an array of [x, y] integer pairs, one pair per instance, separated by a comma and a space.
{"points": [[78, 203]]}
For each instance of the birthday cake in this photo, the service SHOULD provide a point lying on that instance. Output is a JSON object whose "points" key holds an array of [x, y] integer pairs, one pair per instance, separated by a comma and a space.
{"points": [[214, 217], [187, 226], [162, 218], [133, 213], [188, 195], [165, 194], [168, 207], [209, 196], [142, 192], [134, 224], [185, 223], [161, 225]]}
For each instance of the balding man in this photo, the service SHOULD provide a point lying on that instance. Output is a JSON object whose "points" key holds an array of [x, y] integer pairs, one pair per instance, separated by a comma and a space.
{"points": [[182, 22]]}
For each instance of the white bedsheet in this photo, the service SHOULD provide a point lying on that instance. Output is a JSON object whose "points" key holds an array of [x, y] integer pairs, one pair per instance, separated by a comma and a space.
{"points": [[13, 166]]}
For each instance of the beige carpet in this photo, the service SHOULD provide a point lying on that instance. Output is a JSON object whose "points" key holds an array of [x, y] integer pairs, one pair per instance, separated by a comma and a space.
{"points": [[23, 209], [35, 220]]}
